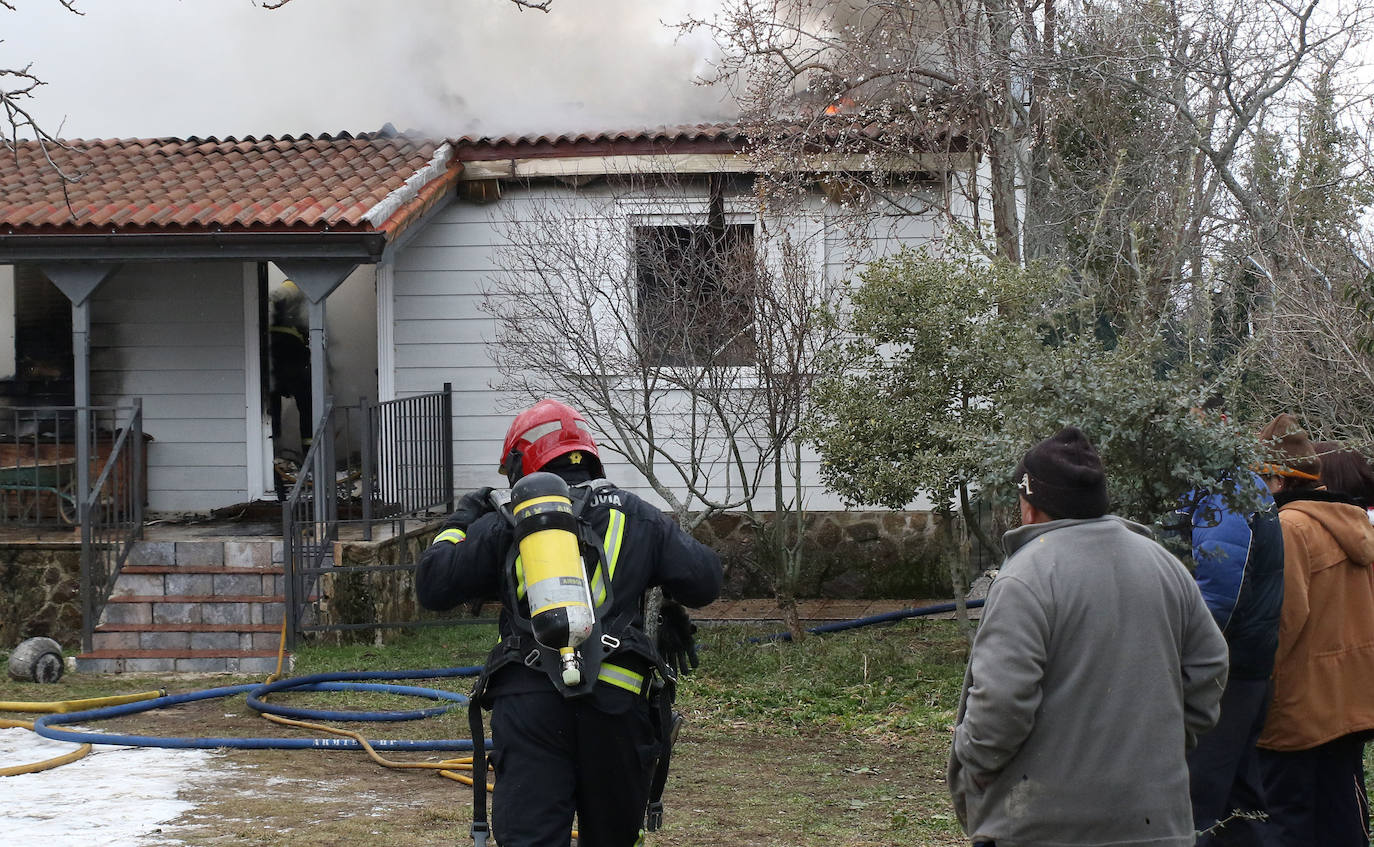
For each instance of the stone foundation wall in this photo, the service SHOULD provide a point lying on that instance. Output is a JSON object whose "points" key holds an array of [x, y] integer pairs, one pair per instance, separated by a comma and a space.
{"points": [[860, 555], [40, 594], [366, 596]]}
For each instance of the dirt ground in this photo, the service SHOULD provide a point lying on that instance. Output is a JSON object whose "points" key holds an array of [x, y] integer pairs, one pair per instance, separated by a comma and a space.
{"points": [[730, 785], [807, 791]]}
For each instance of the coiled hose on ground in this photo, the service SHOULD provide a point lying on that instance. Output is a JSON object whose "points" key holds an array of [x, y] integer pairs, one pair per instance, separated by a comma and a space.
{"points": [[102, 708]]}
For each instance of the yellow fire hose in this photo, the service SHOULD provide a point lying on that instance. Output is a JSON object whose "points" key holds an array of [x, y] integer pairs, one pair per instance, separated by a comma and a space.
{"points": [[63, 707], [448, 768], [458, 769], [68, 706], [35, 767]]}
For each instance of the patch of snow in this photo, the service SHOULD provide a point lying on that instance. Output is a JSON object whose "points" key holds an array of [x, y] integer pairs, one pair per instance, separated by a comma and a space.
{"points": [[115, 796]]}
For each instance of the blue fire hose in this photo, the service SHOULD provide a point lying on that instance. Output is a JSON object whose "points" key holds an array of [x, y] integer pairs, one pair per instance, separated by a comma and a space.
{"points": [[886, 617], [48, 725]]}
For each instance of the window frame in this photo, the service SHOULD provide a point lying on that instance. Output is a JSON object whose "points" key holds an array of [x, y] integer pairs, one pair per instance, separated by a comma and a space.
{"points": [[692, 212]]}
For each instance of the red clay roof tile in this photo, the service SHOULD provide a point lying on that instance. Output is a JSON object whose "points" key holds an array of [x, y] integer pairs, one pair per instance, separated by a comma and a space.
{"points": [[149, 185]]}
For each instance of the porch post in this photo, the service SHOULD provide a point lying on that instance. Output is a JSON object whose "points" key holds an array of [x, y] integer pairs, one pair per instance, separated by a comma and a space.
{"points": [[317, 278], [79, 280]]}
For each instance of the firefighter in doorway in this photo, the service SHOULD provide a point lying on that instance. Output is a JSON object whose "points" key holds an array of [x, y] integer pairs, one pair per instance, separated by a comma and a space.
{"points": [[289, 354], [580, 698]]}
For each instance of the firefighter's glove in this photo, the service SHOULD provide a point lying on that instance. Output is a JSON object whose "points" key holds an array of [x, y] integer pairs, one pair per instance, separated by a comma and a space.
{"points": [[675, 642], [472, 506]]}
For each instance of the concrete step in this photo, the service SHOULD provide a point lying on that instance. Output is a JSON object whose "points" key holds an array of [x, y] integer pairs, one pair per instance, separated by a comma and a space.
{"points": [[237, 553], [208, 581], [207, 606], [194, 608], [185, 661], [129, 638]]}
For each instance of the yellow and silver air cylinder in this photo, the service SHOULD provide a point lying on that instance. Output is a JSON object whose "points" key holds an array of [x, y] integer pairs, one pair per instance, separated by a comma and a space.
{"points": [[556, 587]]}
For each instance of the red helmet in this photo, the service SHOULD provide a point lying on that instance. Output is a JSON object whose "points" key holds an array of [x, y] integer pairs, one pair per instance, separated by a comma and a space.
{"points": [[542, 433]]}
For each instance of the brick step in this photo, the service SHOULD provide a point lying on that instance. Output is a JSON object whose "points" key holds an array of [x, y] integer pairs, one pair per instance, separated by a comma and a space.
{"points": [[198, 598], [238, 640], [199, 569], [189, 627], [192, 661], [176, 610], [219, 553], [140, 582]]}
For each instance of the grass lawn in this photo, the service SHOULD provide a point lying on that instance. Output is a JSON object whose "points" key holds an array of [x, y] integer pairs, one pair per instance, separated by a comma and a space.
{"points": [[837, 740]]}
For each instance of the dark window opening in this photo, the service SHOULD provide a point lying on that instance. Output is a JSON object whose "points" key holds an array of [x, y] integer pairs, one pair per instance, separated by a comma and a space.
{"points": [[696, 294], [42, 341]]}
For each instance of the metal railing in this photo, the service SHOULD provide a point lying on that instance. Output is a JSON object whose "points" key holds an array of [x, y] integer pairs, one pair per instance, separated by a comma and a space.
{"points": [[400, 474], [110, 513], [38, 462]]}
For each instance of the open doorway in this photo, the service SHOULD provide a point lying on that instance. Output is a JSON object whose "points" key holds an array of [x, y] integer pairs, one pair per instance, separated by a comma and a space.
{"points": [[350, 352]]}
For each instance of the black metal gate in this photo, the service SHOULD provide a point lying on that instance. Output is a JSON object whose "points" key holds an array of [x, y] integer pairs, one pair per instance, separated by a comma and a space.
{"points": [[397, 473]]}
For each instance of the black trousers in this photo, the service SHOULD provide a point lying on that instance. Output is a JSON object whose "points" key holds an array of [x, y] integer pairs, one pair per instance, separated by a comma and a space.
{"points": [[1223, 770], [290, 377], [1317, 796], [554, 757]]}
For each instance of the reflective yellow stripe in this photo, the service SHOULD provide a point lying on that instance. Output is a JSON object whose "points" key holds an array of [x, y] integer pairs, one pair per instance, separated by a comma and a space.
{"points": [[560, 503], [452, 536], [562, 604], [598, 586], [621, 677], [615, 534], [291, 331]]}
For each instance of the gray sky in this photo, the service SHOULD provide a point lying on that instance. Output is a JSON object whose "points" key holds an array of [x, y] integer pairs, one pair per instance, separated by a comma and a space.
{"points": [[149, 68]]}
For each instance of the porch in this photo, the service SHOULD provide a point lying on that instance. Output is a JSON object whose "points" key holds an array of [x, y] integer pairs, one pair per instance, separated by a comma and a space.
{"points": [[219, 592]]}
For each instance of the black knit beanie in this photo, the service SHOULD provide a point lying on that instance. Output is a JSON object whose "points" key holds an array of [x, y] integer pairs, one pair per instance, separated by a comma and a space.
{"points": [[1062, 476]]}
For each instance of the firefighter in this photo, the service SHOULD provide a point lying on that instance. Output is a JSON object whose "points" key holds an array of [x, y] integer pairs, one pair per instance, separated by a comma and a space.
{"points": [[560, 748], [289, 353]]}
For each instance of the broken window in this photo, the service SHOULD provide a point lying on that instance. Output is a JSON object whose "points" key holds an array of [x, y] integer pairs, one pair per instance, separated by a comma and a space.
{"points": [[696, 293]]}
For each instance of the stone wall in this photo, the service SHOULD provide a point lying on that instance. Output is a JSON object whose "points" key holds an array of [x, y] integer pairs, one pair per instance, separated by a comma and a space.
{"points": [[382, 595], [40, 593], [862, 555]]}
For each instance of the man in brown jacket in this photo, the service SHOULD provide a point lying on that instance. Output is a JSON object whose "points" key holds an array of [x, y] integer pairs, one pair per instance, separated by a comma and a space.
{"points": [[1312, 746]]}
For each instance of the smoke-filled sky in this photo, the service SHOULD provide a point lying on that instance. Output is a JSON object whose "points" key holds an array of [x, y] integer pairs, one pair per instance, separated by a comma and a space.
{"points": [[150, 68]]}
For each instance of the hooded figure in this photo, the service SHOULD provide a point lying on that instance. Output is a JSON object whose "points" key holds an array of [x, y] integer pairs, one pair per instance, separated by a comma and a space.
{"points": [[289, 353], [1312, 746]]}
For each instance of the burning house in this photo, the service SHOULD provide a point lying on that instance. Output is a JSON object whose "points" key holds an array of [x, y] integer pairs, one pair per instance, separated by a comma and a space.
{"points": [[139, 276]]}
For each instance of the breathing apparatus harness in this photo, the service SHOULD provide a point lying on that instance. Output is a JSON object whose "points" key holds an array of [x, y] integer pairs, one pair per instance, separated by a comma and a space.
{"points": [[546, 508]]}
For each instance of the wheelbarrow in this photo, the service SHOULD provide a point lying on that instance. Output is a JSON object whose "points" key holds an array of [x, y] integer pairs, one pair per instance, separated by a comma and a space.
{"points": [[38, 484]]}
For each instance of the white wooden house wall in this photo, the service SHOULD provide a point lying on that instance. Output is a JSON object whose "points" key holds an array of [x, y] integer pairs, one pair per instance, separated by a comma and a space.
{"points": [[174, 335], [439, 334]]}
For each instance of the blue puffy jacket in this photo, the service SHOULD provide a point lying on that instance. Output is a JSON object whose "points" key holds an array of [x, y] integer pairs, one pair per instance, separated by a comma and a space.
{"points": [[1239, 568]]}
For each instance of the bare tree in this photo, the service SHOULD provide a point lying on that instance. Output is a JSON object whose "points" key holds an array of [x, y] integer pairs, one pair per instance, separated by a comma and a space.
{"points": [[1309, 273], [872, 93], [17, 88], [1312, 360], [689, 334], [1127, 126], [536, 5]]}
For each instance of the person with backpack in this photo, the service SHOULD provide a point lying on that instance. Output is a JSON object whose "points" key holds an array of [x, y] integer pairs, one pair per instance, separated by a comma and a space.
{"points": [[1238, 564], [593, 744]]}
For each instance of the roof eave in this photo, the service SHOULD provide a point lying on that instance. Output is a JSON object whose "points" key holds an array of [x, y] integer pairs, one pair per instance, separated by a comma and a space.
{"points": [[360, 246]]}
